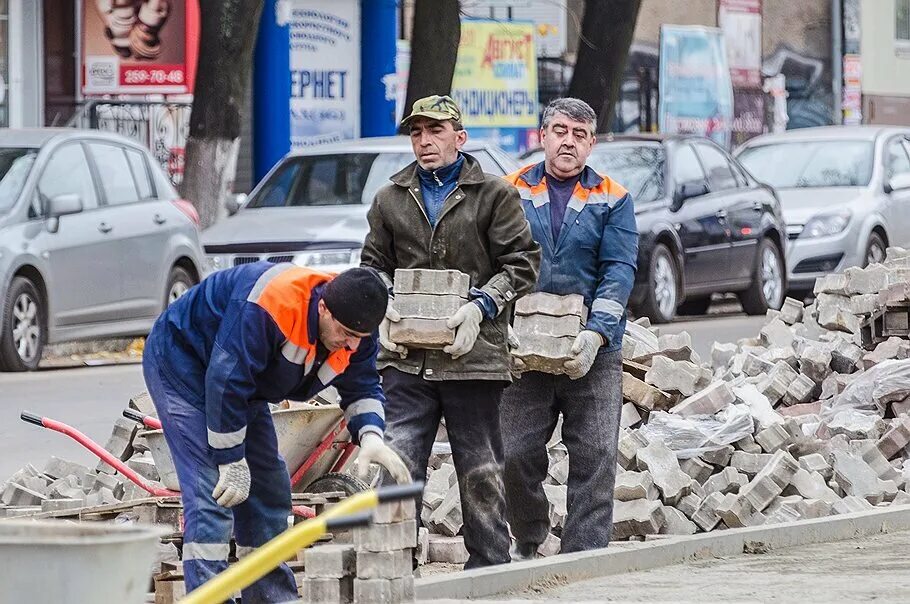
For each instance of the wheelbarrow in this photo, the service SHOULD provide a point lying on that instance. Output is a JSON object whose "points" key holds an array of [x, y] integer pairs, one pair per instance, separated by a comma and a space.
{"points": [[312, 439]]}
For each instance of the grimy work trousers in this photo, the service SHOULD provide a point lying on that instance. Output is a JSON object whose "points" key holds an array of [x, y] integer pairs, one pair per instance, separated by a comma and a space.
{"points": [[471, 410], [591, 408]]}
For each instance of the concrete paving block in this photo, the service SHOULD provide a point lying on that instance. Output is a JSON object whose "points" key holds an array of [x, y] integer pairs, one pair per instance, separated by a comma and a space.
{"points": [[846, 357], [896, 439], [850, 505], [676, 523], [753, 365], [386, 537], [800, 390], [735, 511], [864, 304], [663, 465], [709, 401], [728, 480], [55, 505], [427, 281], [705, 516], [18, 495], [546, 354], [629, 445], [330, 561], [760, 492], [427, 306], [776, 333], [856, 478], [816, 462], [326, 590], [142, 402], [542, 303], [144, 465], [403, 589], [878, 462], [447, 518], [58, 468], [550, 547], [545, 325], [892, 348], [792, 311], [722, 354], [772, 438], [383, 565], [644, 395], [67, 487], [373, 590], [869, 280], [815, 363], [902, 498], [697, 469], [677, 346], [120, 443], [679, 376], [688, 504], [630, 416], [719, 457], [749, 464], [447, 549], [811, 485], [781, 468], [422, 333], [640, 517], [835, 283], [635, 485]]}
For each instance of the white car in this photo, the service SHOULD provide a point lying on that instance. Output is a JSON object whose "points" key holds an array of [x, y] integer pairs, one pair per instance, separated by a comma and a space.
{"points": [[844, 192], [311, 208]]}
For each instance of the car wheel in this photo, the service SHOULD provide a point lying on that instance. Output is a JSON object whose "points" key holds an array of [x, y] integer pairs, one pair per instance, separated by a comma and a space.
{"points": [[875, 249], [767, 289], [694, 306], [24, 331], [178, 283], [662, 294]]}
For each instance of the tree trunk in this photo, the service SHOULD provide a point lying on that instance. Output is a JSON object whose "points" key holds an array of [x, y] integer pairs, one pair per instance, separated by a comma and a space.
{"points": [[606, 35], [226, 42], [434, 49]]}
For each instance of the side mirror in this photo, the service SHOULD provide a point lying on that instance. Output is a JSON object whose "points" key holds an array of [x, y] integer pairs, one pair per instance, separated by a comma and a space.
{"points": [[898, 182], [234, 202], [61, 205], [688, 190]]}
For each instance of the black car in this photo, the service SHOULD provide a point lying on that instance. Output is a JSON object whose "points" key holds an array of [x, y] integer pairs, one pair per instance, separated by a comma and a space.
{"points": [[706, 225]]}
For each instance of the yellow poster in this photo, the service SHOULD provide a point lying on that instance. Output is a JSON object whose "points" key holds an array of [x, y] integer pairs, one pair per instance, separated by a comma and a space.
{"points": [[495, 81]]}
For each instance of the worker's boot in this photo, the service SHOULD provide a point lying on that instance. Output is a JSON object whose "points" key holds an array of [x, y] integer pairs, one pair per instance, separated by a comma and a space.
{"points": [[523, 551]]}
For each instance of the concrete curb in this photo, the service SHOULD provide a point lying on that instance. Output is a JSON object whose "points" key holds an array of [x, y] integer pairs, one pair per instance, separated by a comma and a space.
{"points": [[654, 554]]}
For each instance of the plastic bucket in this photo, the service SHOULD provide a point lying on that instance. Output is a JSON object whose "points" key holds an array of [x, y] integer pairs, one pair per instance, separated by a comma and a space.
{"points": [[61, 562]]}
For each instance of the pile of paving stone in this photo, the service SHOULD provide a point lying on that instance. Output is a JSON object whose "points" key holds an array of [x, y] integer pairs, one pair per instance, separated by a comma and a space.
{"points": [[807, 420]]}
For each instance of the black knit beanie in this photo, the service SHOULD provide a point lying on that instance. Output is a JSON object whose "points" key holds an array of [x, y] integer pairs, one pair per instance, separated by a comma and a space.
{"points": [[357, 298]]}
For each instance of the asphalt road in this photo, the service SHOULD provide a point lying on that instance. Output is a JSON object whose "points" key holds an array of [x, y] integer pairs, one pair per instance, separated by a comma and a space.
{"points": [[91, 398]]}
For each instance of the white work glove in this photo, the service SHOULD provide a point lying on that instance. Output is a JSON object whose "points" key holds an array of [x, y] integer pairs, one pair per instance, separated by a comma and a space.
{"points": [[391, 316], [233, 484], [516, 366], [374, 450], [467, 321], [584, 351]]}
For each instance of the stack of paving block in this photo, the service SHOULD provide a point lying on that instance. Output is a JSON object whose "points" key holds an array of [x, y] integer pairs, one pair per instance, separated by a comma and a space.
{"points": [[546, 326], [384, 555], [425, 299]]}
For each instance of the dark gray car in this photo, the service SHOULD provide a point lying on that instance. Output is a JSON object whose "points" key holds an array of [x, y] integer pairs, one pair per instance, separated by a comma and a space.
{"points": [[94, 241]]}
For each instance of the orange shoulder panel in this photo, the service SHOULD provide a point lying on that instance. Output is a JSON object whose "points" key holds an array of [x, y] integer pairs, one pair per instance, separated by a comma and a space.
{"points": [[287, 300]]}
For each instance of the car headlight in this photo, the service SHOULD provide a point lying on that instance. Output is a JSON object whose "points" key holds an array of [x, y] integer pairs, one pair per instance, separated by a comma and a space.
{"points": [[328, 259], [215, 263], [826, 224]]}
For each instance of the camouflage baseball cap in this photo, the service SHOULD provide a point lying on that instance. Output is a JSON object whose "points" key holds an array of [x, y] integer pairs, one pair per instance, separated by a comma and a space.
{"points": [[435, 107]]}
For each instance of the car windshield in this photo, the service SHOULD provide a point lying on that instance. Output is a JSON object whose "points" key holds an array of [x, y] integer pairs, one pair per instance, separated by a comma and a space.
{"points": [[638, 168], [808, 164], [15, 164], [329, 180]]}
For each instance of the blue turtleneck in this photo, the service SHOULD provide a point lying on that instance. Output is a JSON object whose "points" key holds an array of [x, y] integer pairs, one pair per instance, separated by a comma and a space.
{"points": [[436, 185]]}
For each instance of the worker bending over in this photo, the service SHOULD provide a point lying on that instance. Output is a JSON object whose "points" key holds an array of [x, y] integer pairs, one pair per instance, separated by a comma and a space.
{"points": [[242, 338]]}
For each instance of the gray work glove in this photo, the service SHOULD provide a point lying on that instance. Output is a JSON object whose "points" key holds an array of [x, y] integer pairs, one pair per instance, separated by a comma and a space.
{"points": [[466, 321], [233, 484], [374, 450], [391, 316], [584, 351]]}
